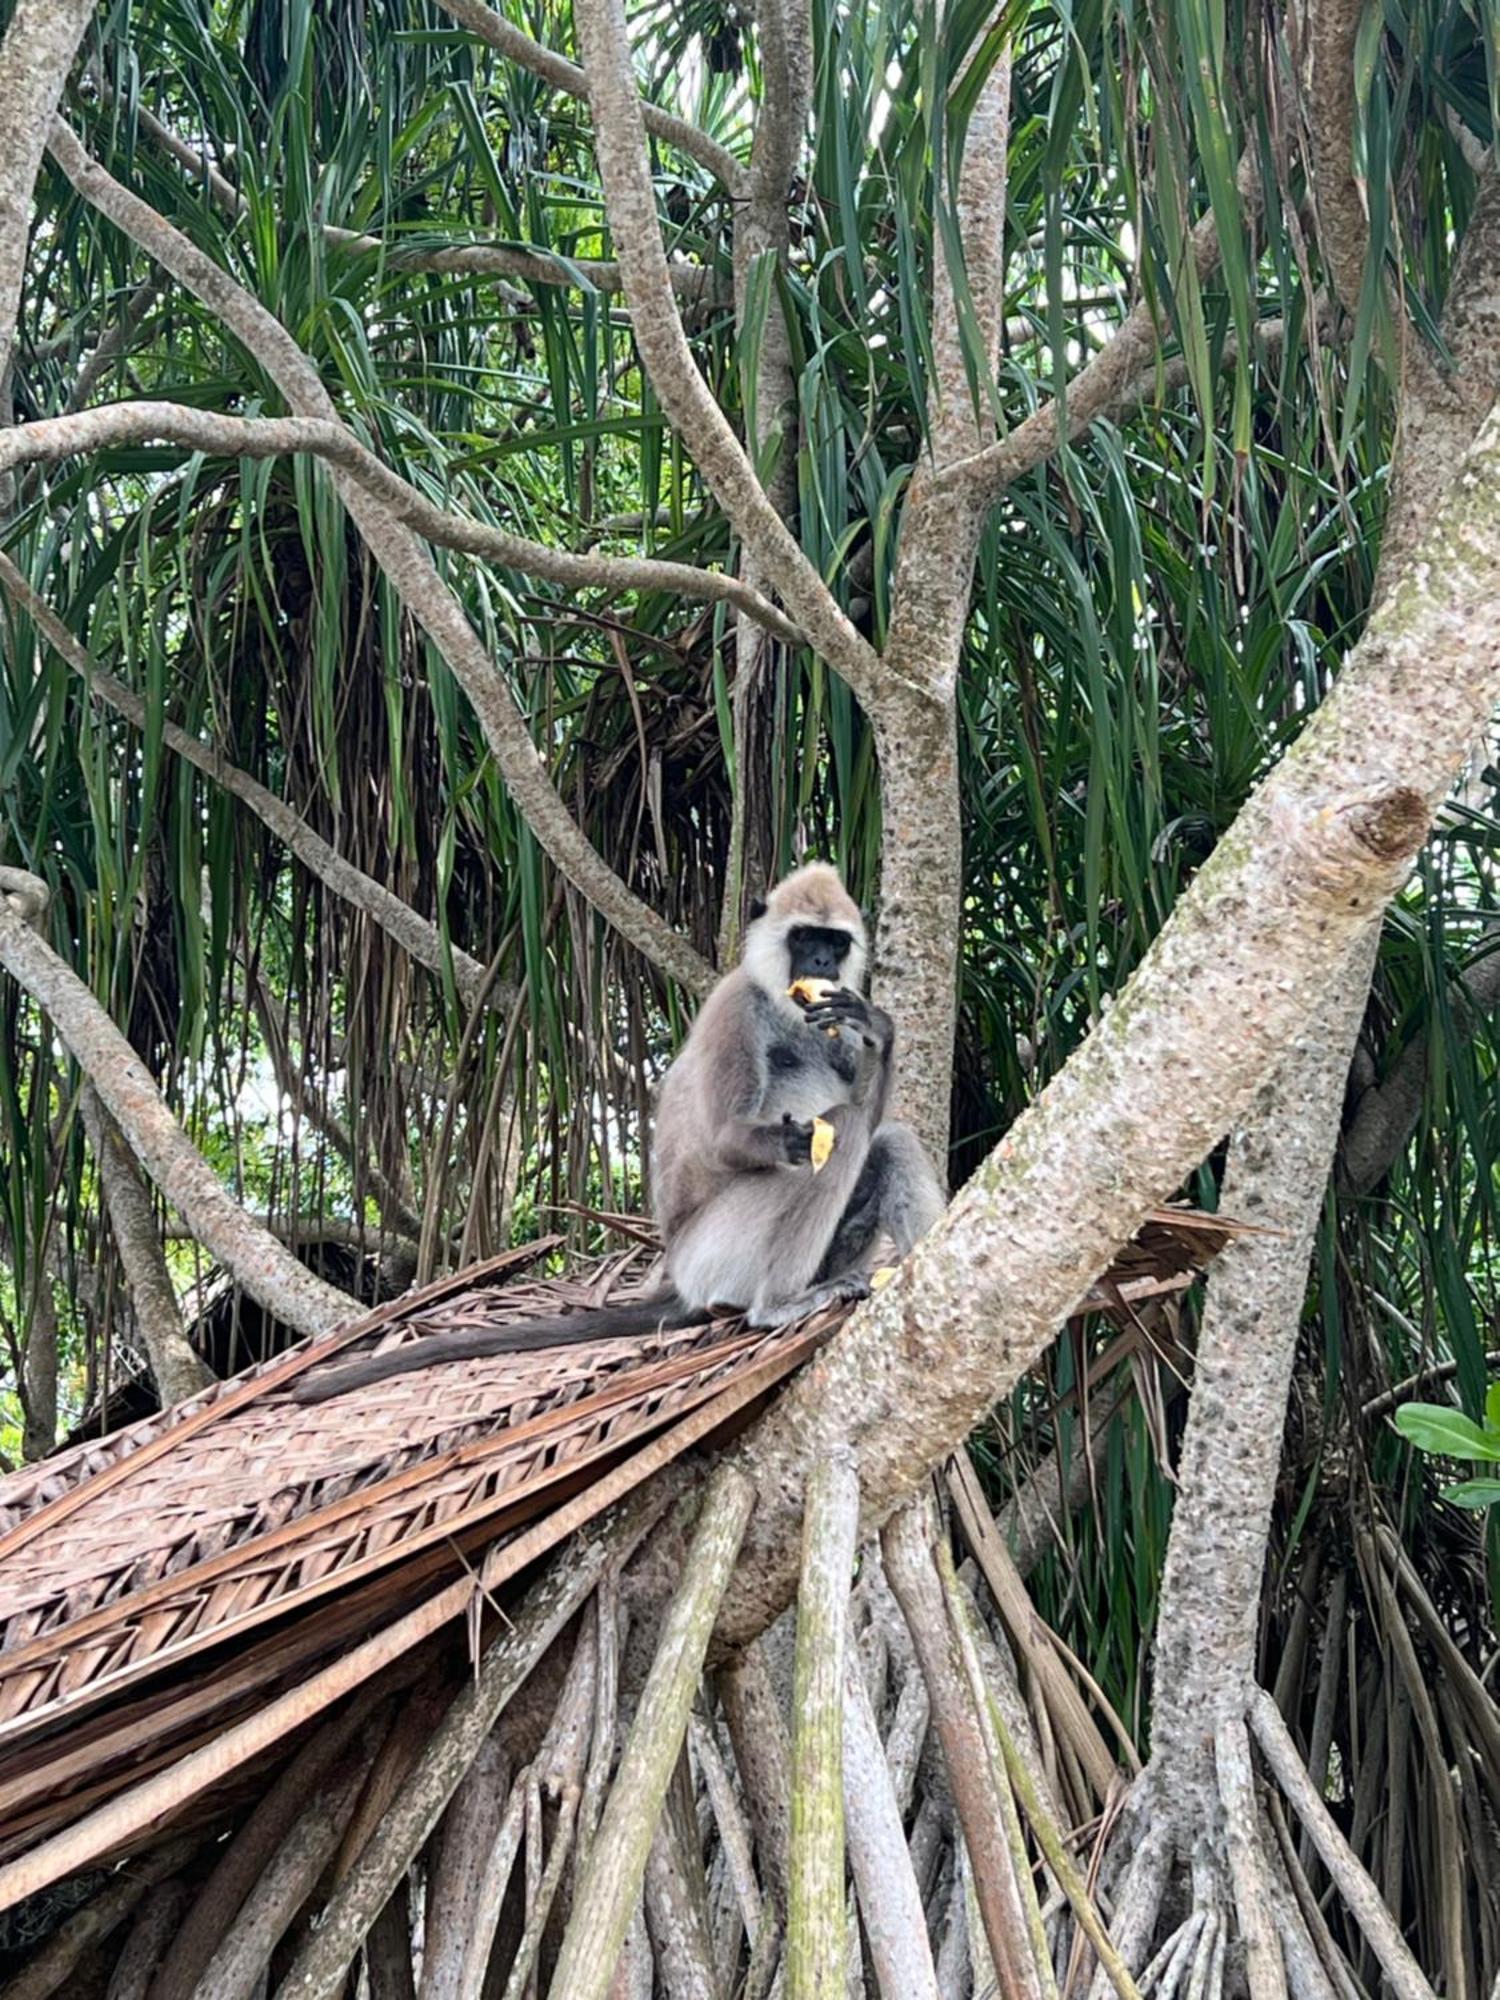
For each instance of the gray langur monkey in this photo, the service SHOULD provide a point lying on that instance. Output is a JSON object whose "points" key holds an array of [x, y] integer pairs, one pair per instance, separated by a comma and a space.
{"points": [[747, 1221]]}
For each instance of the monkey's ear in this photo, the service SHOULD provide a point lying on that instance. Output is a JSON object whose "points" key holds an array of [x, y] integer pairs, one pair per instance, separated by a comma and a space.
{"points": [[757, 908]]}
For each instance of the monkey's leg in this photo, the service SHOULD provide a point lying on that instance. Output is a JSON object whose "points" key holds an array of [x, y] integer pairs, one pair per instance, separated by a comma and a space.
{"points": [[897, 1195], [911, 1195]]}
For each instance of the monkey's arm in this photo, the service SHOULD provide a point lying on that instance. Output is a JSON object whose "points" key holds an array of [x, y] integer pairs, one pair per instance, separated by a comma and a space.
{"points": [[747, 1143], [872, 1033]]}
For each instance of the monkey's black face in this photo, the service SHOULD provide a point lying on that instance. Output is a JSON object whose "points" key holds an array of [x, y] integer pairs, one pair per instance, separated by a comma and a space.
{"points": [[817, 953]]}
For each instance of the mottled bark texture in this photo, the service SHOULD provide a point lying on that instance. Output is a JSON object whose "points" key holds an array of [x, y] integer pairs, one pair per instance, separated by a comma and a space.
{"points": [[762, 229], [916, 719], [406, 563], [175, 1369], [1235, 974], [35, 56], [630, 199], [1279, 1163], [267, 1271]]}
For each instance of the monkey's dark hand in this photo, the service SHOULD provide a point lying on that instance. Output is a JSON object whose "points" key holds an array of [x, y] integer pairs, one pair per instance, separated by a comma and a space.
{"points": [[848, 1009], [796, 1140]]}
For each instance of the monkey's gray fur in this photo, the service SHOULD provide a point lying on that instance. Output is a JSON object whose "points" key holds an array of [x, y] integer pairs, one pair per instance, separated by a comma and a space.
{"points": [[745, 1221]]}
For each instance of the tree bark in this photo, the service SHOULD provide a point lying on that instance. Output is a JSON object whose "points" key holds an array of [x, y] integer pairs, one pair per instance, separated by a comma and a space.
{"points": [[176, 1370], [916, 720], [1279, 1164], [268, 1272], [35, 56], [611, 1885], [406, 564], [815, 1935], [1238, 970]]}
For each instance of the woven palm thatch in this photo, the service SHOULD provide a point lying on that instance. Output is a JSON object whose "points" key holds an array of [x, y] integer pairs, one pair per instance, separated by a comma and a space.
{"points": [[179, 1598]]}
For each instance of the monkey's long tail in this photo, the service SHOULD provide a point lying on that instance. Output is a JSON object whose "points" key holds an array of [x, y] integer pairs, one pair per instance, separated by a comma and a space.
{"points": [[523, 1335]]}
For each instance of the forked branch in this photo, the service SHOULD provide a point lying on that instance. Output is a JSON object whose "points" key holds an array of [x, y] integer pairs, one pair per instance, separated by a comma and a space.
{"points": [[147, 421], [406, 563], [266, 1270], [630, 203]]}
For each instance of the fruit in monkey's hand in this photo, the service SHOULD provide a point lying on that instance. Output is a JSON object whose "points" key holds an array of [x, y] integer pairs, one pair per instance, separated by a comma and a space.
{"points": [[810, 991], [823, 1136], [881, 1277]]}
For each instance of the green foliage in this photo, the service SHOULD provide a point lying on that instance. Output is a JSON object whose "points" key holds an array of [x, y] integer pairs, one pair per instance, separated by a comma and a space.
{"points": [[1156, 610], [1443, 1432]]}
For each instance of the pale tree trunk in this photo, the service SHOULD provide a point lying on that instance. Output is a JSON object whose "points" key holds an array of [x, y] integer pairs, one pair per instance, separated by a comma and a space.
{"points": [[35, 57], [1315, 855], [39, 1366], [176, 1370], [762, 227], [1279, 1163], [1281, 1158], [916, 721]]}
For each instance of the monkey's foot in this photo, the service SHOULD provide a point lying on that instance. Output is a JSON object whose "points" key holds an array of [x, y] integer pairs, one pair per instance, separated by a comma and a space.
{"points": [[786, 1312]]}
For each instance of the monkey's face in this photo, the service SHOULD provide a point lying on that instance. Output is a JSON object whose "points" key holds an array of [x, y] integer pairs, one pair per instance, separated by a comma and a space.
{"points": [[816, 951]]}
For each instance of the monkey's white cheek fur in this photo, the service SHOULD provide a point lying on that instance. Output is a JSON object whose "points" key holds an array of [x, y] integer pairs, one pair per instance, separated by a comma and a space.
{"points": [[823, 1136]]}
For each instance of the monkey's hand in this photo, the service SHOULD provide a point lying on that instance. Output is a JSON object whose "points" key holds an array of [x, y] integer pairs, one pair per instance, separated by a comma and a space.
{"points": [[848, 1009], [796, 1140]]}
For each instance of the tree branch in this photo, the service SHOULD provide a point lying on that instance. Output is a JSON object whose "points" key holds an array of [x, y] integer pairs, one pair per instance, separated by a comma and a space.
{"points": [[176, 1370], [36, 54], [916, 727], [1313, 856], [630, 204], [146, 422], [1332, 27], [480, 260], [569, 78], [414, 933], [407, 566], [1387, 1113], [266, 1270], [1099, 389]]}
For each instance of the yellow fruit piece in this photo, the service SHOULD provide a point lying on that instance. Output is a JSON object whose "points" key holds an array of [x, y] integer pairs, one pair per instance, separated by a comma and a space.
{"points": [[881, 1278], [822, 1144], [811, 991]]}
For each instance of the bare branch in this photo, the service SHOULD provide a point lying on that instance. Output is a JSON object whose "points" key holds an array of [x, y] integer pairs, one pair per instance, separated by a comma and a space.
{"points": [[1387, 1114], [112, 344], [1315, 854], [816, 1939], [176, 1370], [266, 1270], [611, 1882], [406, 564], [414, 933], [1359, 1892], [922, 877], [568, 77], [1331, 27], [1099, 389], [480, 260], [317, 1973], [107, 424], [35, 56], [630, 203]]}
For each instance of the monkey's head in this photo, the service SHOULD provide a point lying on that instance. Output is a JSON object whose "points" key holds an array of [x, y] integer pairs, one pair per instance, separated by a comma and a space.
{"points": [[809, 928]]}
